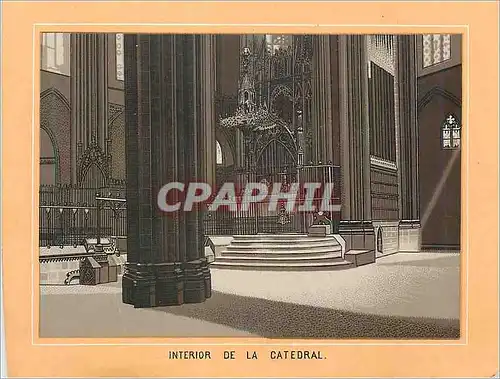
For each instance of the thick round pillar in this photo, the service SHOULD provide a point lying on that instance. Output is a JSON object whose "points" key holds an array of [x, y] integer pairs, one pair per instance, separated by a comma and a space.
{"points": [[167, 100]]}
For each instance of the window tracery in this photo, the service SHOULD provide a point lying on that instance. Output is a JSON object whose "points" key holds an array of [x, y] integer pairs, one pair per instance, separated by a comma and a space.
{"points": [[436, 48]]}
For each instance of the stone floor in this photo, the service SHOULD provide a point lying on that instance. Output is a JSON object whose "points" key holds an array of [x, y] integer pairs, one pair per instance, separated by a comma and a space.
{"points": [[412, 295]]}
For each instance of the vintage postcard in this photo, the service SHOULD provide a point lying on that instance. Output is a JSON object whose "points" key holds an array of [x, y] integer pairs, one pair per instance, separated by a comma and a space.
{"points": [[217, 189]]}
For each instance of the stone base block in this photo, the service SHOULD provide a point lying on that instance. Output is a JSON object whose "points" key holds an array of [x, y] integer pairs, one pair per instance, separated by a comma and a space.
{"points": [[218, 244], [409, 236], [358, 235], [207, 277], [319, 230], [166, 284], [194, 282], [360, 257]]}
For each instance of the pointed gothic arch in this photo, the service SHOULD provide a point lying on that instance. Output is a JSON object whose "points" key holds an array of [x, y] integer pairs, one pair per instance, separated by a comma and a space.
{"points": [[437, 91], [55, 120], [380, 241], [93, 169], [226, 145], [56, 93], [93, 177], [49, 158], [275, 154]]}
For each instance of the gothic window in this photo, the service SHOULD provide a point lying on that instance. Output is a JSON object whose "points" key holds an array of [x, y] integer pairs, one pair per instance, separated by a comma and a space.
{"points": [[276, 42], [219, 157], [55, 53], [436, 48], [451, 133], [120, 66]]}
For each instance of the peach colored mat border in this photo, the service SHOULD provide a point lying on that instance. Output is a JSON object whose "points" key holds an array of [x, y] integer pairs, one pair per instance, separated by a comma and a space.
{"points": [[476, 354]]}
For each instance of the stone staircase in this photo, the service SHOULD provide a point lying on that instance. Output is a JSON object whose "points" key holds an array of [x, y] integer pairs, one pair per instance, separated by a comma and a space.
{"points": [[287, 252]]}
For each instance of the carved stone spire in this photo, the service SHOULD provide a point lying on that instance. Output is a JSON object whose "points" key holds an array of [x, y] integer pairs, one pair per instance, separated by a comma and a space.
{"points": [[246, 90]]}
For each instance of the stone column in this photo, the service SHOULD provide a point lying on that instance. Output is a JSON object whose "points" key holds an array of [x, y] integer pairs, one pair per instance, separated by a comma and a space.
{"points": [[354, 141], [76, 83], [355, 144], [89, 95], [246, 40], [322, 100], [208, 86], [165, 118], [408, 143], [408, 132]]}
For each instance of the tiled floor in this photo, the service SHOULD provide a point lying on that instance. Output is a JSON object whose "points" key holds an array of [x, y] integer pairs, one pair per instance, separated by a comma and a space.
{"points": [[404, 295]]}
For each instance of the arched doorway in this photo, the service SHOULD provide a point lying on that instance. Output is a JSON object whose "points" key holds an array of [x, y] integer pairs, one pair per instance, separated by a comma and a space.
{"points": [[380, 246], [273, 160]]}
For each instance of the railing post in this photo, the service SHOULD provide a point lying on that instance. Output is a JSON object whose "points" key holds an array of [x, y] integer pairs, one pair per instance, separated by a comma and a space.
{"points": [[98, 245], [61, 227], [330, 182]]}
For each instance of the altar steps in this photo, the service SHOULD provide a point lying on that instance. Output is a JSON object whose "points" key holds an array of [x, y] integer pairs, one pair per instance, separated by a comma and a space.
{"points": [[287, 252]]}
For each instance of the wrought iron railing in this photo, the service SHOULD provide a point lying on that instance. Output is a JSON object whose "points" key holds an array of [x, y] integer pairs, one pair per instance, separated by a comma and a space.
{"points": [[68, 215], [260, 218]]}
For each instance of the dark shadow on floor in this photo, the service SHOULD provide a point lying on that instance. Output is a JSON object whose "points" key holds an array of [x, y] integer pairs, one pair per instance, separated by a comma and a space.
{"points": [[275, 319], [435, 262]]}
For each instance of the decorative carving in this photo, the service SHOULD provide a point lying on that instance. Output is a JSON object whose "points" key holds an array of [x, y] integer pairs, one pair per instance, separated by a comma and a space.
{"points": [[93, 156], [274, 70], [249, 116], [303, 52], [282, 90]]}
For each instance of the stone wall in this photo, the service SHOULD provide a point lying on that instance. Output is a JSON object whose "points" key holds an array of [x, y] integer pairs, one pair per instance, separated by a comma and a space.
{"points": [[54, 272], [358, 235], [409, 237]]}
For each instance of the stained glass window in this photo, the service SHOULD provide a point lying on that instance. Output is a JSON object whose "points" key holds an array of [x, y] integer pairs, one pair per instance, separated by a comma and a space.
{"points": [[436, 48], [278, 41], [451, 133], [120, 66], [55, 53]]}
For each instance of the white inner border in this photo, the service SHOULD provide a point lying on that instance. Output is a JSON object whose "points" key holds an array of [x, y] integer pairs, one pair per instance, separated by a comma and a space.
{"points": [[34, 226]]}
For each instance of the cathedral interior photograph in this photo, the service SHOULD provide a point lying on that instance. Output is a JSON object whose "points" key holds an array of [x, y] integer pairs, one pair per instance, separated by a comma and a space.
{"points": [[224, 185]]}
